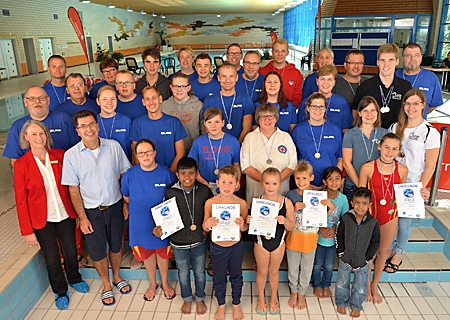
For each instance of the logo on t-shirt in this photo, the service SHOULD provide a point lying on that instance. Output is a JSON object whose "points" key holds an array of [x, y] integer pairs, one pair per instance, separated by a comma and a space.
{"points": [[396, 96], [424, 89], [291, 82], [160, 185], [328, 137], [282, 149], [55, 130], [237, 106], [335, 110], [165, 133]]}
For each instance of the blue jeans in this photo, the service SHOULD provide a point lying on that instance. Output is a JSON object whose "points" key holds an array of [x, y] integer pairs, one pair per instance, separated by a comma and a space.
{"points": [[324, 258], [197, 258], [359, 288], [403, 234], [348, 191]]}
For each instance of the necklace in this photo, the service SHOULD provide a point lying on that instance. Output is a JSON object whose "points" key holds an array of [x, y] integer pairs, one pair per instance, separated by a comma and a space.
{"points": [[193, 227], [216, 161], [328, 103], [282, 72], [350, 85], [253, 89], [112, 127], [414, 82], [229, 126], [57, 96], [268, 161], [317, 146], [369, 155], [386, 162], [411, 136], [386, 100], [389, 185]]}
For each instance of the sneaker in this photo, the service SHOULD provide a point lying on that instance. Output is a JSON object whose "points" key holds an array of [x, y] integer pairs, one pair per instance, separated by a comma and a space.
{"points": [[81, 286], [62, 301]]}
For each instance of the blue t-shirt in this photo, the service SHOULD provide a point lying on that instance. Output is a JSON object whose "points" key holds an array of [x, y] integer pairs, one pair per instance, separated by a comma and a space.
{"points": [[134, 108], [204, 90], [71, 108], [116, 128], [242, 106], [193, 76], [310, 85], [61, 129], [287, 116], [251, 88], [94, 91], [146, 190], [226, 155], [429, 83], [56, 94], [240, 72], [340, 208], [330, 146], [163, 132], [338, 111]]}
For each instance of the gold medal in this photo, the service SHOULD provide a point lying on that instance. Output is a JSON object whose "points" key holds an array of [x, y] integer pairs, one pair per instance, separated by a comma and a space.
{"points": [[193, 227], [317, 155]]}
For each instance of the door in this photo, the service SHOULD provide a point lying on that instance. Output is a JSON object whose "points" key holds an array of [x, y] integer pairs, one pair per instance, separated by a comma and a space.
{"points": [[110, 44], [8, 64], [46, 45], [89, 49], [30, 56]]}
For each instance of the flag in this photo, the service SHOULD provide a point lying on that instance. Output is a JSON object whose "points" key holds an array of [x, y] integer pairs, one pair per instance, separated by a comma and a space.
{"points": [[75, 20]]}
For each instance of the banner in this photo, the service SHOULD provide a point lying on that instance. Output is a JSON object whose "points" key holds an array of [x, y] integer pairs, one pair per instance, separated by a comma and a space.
{"points": [[75, 20], [444, 181]]}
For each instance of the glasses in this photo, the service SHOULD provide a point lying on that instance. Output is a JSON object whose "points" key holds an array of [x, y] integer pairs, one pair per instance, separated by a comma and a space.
{"points": [[267, 116], [253, 64], [85, 126], [355, 63], [144, 153], [34, 99], [76, 85], [234, 53], [109, 71], [180, 87], [409, 56], [313, 107], [124, 83], [412, 104]]}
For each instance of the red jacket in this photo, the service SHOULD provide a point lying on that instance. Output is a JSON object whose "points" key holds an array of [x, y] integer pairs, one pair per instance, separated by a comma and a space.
{"points": [[30, 193], [292, 81]]}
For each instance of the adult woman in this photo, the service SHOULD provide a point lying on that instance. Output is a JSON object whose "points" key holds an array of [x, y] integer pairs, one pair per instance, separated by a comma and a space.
{"points": [[360, 143], [272, 92], [267, 146], [421, 142], [318, 141], [186, 57], [185, 106], [108, 68], [44, 209], [143, 187]]}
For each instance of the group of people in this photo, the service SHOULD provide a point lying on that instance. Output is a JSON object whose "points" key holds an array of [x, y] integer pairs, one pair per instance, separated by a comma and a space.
{"points": [[246, 132]]}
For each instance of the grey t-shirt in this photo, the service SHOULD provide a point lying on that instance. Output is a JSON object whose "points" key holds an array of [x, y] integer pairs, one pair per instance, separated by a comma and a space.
{"points": [[347, 89]]}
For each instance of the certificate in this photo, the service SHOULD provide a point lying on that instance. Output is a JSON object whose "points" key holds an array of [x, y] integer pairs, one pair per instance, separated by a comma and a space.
{"points": [[227, 229], [314, 214], [409, 201], [168, 217], [263, 222]]}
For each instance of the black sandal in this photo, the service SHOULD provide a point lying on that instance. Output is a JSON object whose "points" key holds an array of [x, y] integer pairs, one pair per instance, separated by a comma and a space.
{"points": [[209, 269], [392, 266]]}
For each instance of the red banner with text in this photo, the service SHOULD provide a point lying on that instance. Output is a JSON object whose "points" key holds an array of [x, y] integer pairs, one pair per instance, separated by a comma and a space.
{"points": [[75, 20], [444, 181]]}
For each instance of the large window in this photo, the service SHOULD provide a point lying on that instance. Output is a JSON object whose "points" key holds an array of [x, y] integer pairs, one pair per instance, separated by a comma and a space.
{"points": [[444, 34], [299, 23]]}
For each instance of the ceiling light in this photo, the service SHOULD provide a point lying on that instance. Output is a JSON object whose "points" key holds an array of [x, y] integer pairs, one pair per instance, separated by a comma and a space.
{"points": [[273, 14], [143, 12], [282, 9], [287, 5], [218, 16], [277, 12], [129, 9], [154, 14], [85, 1], [110, 5], [163, 16]]}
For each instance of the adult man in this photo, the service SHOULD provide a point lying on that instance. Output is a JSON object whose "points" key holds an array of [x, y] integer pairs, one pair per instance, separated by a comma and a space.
{"points": [[251, 82], [56, 87], [237, 108], [128, 102], [186, 57], [60, 124], [166, 132], [151, 58], [108, 68], [324, 57], [92, 170], [76, 87], [385, 87], [204, 86], [234, 56], [420, 78], [291, 76], [347, 85]]}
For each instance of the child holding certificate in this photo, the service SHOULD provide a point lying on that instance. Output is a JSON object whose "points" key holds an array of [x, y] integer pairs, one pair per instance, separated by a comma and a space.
{"points": [[189, 244], [326, 246], [228, 254], [301, 242], [269, 252], [358, 238]]}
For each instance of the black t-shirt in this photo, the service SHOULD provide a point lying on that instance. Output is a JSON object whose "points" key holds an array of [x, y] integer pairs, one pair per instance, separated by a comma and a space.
{"points": [[371, 87]]}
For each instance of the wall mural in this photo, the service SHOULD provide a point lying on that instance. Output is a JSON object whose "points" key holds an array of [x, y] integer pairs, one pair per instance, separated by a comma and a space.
{"points": [[127, 29]]}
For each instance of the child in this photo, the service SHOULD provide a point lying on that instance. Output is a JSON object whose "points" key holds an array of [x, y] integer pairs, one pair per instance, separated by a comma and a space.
{"points": [[189, 244], [355, 227], [270, 252], [227, 255], [301, 243], [326, 246]]}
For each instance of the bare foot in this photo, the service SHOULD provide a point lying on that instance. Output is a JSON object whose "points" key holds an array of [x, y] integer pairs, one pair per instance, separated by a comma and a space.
{"points": [[237, 312], [376, 297], [293, 300], [369, 294], [186, 308], [301, 300], [200, 308], [355, 313], [220, 313], [341, 310], [327, 293], [318, 292]]}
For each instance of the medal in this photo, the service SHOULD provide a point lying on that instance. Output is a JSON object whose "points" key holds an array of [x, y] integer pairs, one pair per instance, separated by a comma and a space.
{"points": [[317, 155], [267, 238], [385, 109], [216, 172], [268, 161], [401, 154], [386, 99], [383, 202], [193, 227], [229, 126], [391, 211], [391, 202], [218, 151], [317, 146]]}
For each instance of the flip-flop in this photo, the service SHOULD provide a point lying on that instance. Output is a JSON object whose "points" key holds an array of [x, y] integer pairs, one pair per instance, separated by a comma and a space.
{"points": [[122, 285], [169, 294], [261, 309], [106, 295], [390, 265], [273, 306], [150, 294]]}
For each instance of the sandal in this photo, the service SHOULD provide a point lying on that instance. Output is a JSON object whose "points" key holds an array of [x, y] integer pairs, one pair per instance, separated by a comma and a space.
{"points": [[122, 285], [107, 295], [150, 294], [261, 309], [209, 269], [255, 266], [82, 262], [135, 264], [169, 293], [393, 266], [275, 307]]}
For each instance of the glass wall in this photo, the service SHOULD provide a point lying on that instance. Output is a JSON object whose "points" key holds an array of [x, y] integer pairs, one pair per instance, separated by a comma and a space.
{"points": [[444, 34], [299, 23]]}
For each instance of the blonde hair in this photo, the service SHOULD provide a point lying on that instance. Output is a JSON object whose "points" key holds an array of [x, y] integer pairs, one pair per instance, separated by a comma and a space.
{"points": [[388, 48], [230, 170], [24, 144], [211, 113], [188, 50], [326, 70], [304, 166], [271, 171], [105, 88]]}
